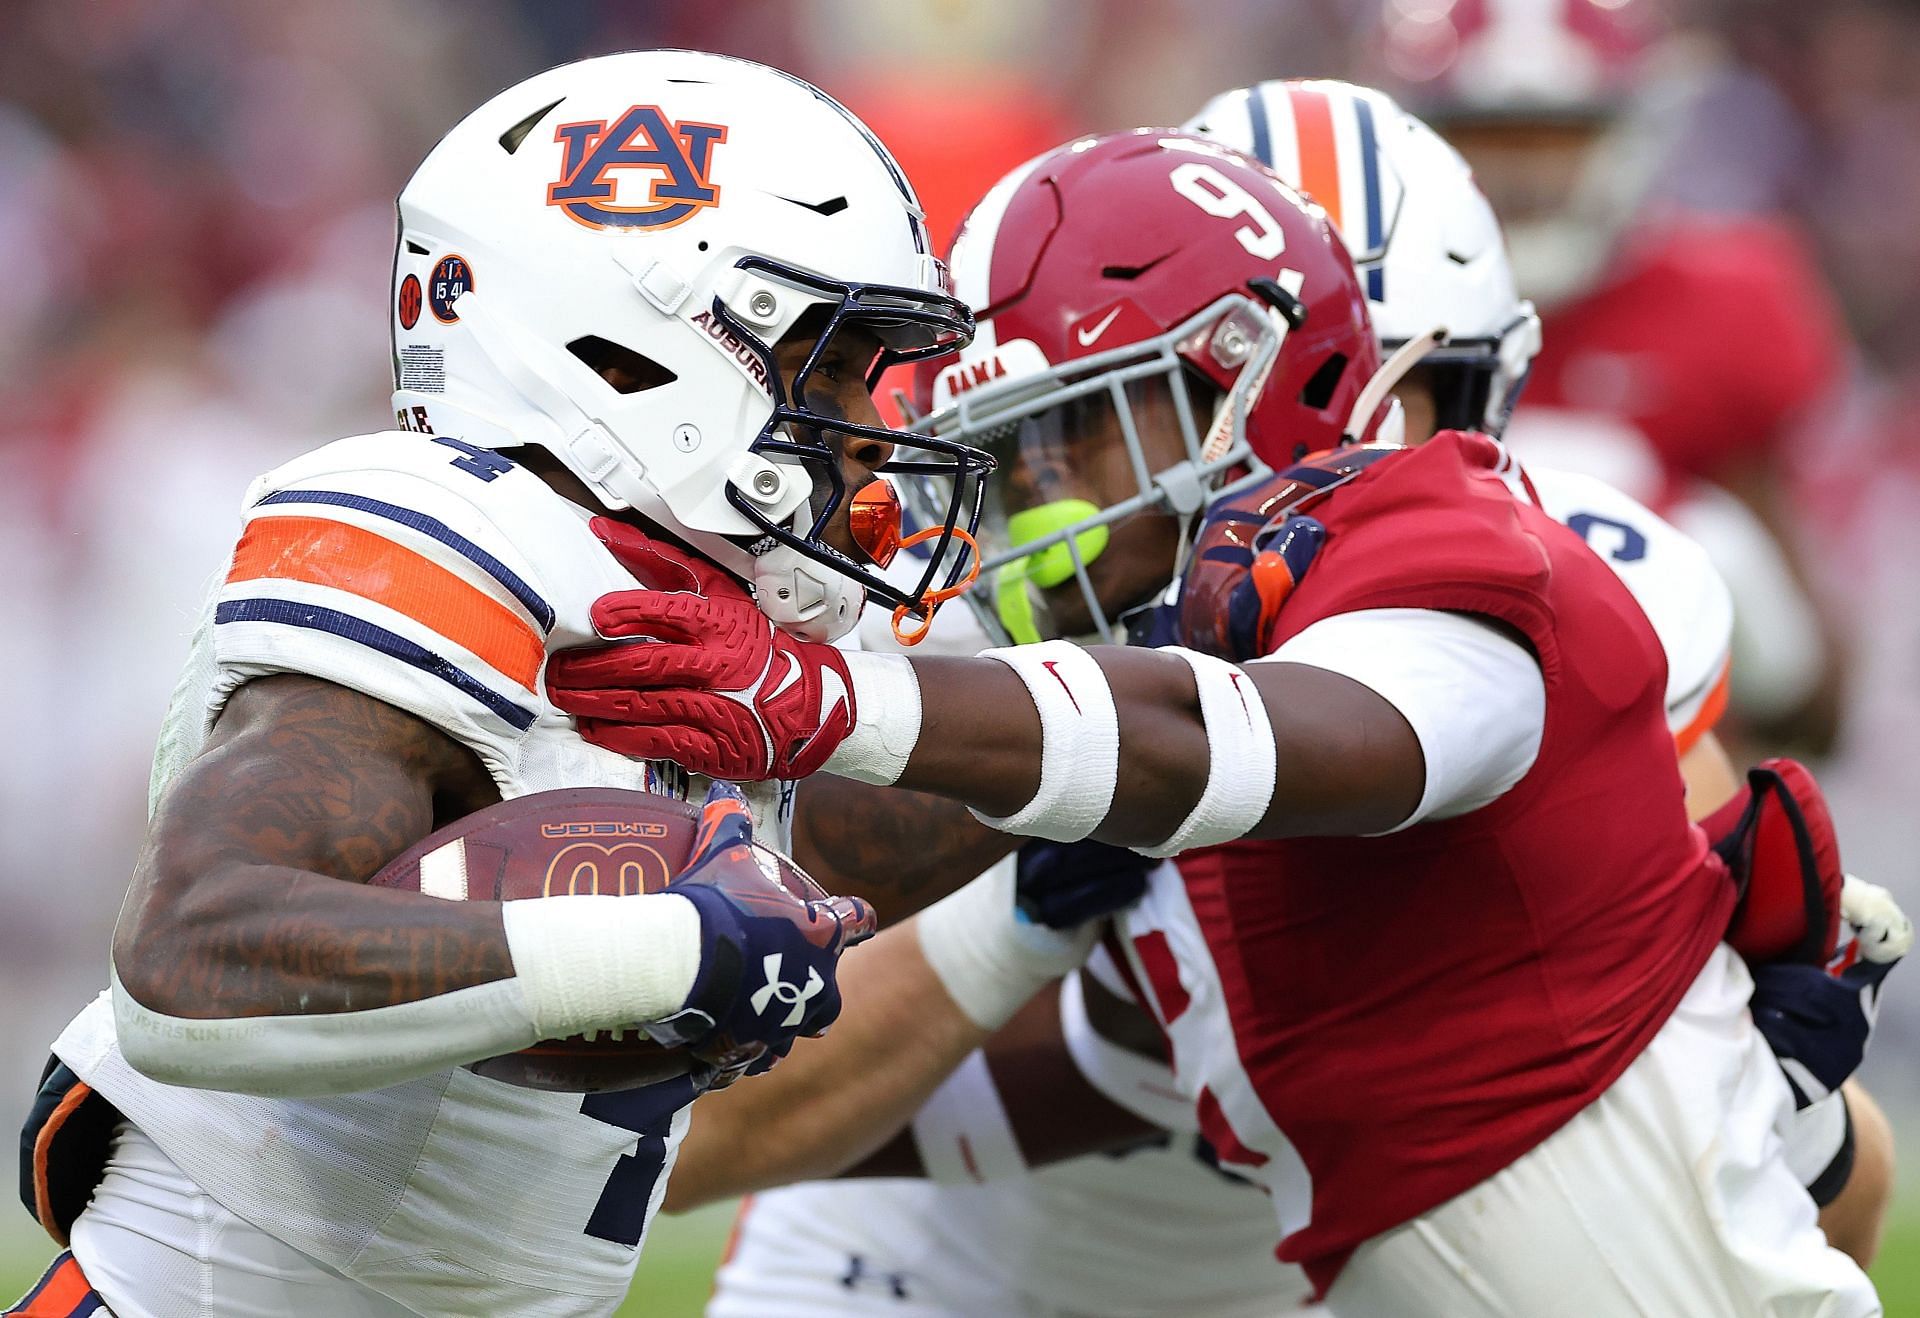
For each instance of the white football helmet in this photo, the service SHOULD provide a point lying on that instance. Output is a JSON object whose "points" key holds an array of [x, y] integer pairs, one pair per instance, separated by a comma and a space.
{"points": [[676, 213], [1423, 239]]}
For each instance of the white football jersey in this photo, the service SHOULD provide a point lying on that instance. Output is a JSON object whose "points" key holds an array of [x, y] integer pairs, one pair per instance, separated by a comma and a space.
{"points": [[1157, 1231], [1672, 579], [436, 577]]}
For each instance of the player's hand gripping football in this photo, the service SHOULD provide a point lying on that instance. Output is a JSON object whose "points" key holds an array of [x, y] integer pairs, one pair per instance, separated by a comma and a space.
{"points": [[768, 956], [697, 674], [1819, 1019]]}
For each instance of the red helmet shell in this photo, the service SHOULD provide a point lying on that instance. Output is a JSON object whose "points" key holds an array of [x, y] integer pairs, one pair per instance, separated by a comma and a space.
{"points": [[1111, 240]]}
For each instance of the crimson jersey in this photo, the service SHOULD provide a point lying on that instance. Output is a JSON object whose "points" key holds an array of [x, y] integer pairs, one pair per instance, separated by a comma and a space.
{"points": [[1710, 335], [1371, 1026]]}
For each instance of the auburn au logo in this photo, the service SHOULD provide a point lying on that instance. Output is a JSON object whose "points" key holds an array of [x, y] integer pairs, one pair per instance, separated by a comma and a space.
{"points": [[677, 155]]}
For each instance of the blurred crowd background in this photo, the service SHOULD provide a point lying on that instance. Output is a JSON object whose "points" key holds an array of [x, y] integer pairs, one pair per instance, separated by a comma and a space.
{"points": [[1716, 202]]}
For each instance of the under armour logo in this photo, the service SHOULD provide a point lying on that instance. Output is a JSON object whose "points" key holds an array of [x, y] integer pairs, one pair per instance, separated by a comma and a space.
{"points": [[777, 989], [858, 1275]]}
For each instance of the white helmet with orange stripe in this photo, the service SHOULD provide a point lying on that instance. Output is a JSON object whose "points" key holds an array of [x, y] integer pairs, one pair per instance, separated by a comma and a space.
{"points": [[1423, 239]]}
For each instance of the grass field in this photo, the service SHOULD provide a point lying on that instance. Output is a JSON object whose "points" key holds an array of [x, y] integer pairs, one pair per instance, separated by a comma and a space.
{"points": [[673, 1280]]}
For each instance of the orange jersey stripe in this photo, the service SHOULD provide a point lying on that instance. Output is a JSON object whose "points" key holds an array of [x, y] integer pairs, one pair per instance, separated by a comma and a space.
{"points": [[322, 552], [59, 1295], [1710, 711], [1319, 157]]}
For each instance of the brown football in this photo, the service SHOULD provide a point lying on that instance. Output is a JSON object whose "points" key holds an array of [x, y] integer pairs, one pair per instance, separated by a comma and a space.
{"points": [[553, 845]]}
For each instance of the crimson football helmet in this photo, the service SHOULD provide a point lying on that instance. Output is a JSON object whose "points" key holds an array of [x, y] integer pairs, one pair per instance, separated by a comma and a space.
{"points": [[1166, 293]]}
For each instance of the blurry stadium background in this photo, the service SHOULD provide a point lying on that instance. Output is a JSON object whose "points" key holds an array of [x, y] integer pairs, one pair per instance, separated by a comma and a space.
{"points": [[195, 231]]}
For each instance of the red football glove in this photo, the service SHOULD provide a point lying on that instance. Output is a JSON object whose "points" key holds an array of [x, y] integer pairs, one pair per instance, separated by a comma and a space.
{"points": [[1778, 840], [698, 674]]}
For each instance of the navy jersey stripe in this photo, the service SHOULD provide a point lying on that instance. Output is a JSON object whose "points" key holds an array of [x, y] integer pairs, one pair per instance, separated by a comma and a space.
{"points": [[1262, 130], [446, 535], [1370, 172], [374, 638]]}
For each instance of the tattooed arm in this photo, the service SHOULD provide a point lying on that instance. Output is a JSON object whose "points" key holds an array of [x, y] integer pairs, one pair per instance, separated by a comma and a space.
{"points": [[238, 907], [899, 851], [253, 956]]}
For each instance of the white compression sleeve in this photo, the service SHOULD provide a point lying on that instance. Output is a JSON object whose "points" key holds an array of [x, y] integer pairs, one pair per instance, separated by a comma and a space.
{"points": [[991, 961], [581, 964]]}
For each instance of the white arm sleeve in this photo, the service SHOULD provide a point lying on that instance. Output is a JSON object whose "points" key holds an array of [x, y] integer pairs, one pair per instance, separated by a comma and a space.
{"points": [[1474, 697]]}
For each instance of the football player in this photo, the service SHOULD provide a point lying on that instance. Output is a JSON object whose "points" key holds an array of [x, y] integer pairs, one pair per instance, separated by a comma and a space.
{"points": [[638, 300], [1575, 116], [1469, 886], [1156, 1227]]}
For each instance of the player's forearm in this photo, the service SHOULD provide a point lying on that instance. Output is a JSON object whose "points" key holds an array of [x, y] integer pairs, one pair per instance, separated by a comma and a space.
{"points": [[1857, 1217], [259, 940], [238, 905], [981, 741], [1342, 758], [836, 1099], [899, 851], [1021, 1102], [252, 955]]}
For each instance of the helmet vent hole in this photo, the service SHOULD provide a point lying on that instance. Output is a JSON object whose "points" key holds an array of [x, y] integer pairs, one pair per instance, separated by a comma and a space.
{"points": [[1318, 391], [622, 368], [1131, 271], [1459, 258], [511, 139], [415, 249]]}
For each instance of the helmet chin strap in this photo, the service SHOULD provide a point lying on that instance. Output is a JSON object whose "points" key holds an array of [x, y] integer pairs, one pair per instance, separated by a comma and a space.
{"points": [[1391, 372], [805, 598]]}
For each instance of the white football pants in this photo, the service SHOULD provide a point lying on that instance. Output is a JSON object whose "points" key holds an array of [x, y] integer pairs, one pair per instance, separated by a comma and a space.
{"points": [[1668, 1197], [155, 1246]]}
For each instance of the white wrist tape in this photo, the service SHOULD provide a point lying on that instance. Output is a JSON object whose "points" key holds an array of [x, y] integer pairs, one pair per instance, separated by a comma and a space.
{"points": [[886, 719], [1079, 742], [1139, 1084], [962, 1131], [602, 962], [1244, 761], [989, 960], [581, 964]]}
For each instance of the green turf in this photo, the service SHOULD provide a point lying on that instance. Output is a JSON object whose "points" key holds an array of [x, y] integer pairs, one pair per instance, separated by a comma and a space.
{"points": [[674, 1279]]}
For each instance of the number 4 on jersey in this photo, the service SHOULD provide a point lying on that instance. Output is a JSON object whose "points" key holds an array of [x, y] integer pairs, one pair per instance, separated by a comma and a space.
{"points": [[481, 462]]}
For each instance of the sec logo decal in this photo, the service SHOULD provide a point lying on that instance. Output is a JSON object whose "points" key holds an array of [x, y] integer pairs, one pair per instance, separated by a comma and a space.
{"points": [[451, 277], [409, 302]]}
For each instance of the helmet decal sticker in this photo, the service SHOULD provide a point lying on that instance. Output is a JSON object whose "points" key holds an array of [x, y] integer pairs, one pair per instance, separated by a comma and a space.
{"points": [[409, 302], [678, 157], [451, 277]]}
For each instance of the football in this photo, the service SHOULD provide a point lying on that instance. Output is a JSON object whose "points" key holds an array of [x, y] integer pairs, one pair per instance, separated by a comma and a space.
{"points": [[550, 846]]}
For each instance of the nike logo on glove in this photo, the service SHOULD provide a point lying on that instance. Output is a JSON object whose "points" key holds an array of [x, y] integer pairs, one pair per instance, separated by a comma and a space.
{"points": [[787, 679], [835, 709]]}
